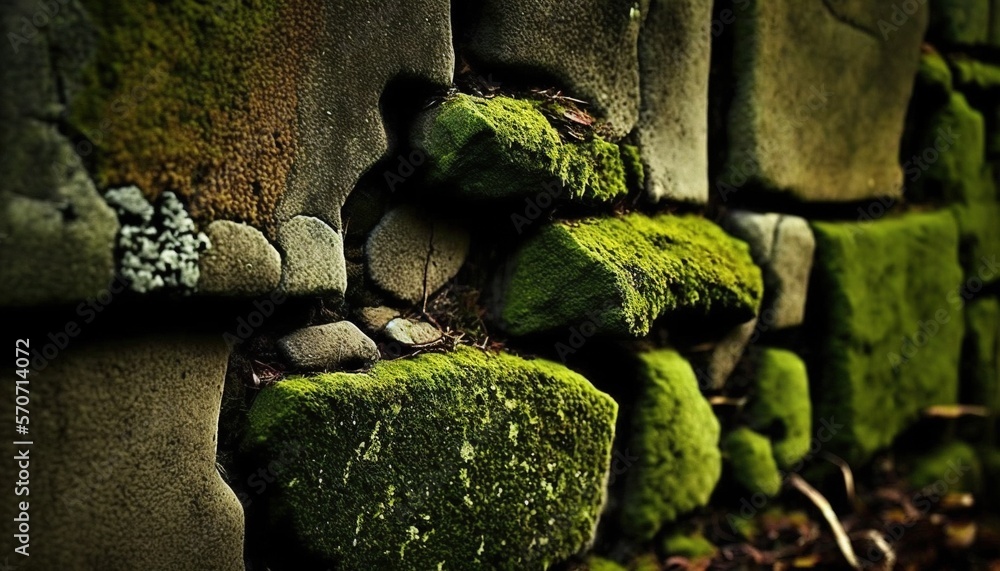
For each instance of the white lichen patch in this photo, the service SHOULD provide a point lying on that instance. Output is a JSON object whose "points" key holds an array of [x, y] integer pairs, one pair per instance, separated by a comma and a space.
{"points": [[159, 245]]}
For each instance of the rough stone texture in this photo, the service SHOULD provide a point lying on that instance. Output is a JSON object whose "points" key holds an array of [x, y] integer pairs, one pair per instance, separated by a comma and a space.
{"points": [[329, 347], [456, 459], [411, 255], [752, 461], [374, 319], [981, 353], [123, 469], [888, 335], [783, 247], [411, 333], [675, 436], [241, 262], [674, 57], [818, 86], [780, 406], [589, 46], [959, 21], [714, 367], [313, 262], [622, 273], [500, 147]]}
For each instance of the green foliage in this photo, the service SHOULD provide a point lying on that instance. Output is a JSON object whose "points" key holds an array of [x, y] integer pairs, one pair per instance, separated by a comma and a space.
{"points": [[889, 325], [753, 461], [503, 147], [625, 272], [676, 438], [448, 459], [781, 403]]}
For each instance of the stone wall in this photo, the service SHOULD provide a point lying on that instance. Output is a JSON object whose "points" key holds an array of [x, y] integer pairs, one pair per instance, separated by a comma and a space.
{"points": [[523, 284]]}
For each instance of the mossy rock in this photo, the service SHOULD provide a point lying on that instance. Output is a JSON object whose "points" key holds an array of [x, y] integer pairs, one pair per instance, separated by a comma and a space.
{"points": [[752, 460], [959, 21], [949, 467], [978, 75], [690, 546], [503, 147], [595, 563], [441, 460], [889, 337], [981, 365], [624, 272], [676, 437], [780, 405]]}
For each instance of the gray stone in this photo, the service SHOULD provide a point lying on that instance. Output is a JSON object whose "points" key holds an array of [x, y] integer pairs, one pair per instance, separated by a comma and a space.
{"points": [[588, 46], [57, 244], [783, 247], [819, 86], [411, 256], [330, 347], [123, 472], [314, 261], [374, 319], [241, 262], [674, 58], [715, 367], [412, 333]]}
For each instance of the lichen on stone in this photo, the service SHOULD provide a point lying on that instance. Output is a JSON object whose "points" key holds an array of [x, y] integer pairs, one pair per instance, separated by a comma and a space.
{"points": [[456, 459], [625, 272], [503, 147], [780, 405], [675, 436], [752, 460], [160, 245]]}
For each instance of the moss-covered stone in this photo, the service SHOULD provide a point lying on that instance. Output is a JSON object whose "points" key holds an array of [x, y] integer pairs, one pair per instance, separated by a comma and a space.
{"points": [[889, 335], [935, 74], [780, 405], [595, 563], [974, 74], [624, 272], [503, 147], [752, 460], [439, 460], [951, 467], [691, 546], [676, 439], [959, 21], [981, 353]]}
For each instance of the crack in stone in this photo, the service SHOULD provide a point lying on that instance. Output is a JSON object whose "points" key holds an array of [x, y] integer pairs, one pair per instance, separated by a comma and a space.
{"points": [[849, 22]]}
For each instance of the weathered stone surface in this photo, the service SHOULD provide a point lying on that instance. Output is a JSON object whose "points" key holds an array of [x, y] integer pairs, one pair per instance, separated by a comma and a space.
{"points": [[674, 57], [819, 86], [374, 319], [411, 255], [588, 46], [329, 347], [313, 262], [675, 436], [622, 273], [411, 333], [450, 460], [241, 261], [783, 247], [715, 366], [889, 337], [123, 471], [500, 147]]}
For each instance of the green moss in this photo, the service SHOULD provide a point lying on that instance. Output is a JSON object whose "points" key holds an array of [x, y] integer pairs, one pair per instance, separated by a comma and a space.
{"points": [[889, 334], [457, 459], [959, 21], [780, 405], [645, 562], [676, 437], [624, 272], [691, 546], [635, 172], [950, 467], [753, 461], [935, 75], [980, 362], [595, 563], [976, 74], [503, 147]]}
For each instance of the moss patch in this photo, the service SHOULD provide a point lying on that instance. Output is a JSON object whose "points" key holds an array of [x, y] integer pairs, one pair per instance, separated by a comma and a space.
{"points": [[889, 333], [595, 563], [691, 546], [676, 437], [442, 459], [980, 361], [780, 406], [622, 273], [952, 467], [503, 147], [753, 461]]}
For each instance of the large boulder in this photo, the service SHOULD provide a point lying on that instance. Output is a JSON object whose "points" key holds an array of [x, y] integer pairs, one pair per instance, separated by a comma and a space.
{"points": [[122, 465], [438, 461], [889, 334], [622, 273], [817, 86]]}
